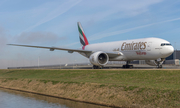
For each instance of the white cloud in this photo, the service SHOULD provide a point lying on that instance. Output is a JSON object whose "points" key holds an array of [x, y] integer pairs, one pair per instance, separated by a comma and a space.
{"points": [[39, 38], [103, 35], [59, 10], [117, 8], [98, 11]]}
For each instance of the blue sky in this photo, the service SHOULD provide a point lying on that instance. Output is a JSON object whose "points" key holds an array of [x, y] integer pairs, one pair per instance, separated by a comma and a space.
{"points": [[54, 23]]}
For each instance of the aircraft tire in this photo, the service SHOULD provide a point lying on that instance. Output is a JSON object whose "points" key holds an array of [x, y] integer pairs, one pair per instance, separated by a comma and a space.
{"points": [[160, 66], [96, 67], [128, 66]]}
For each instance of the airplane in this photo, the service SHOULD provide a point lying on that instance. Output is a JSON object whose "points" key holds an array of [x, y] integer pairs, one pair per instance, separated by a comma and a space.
{"points": [[152, 50]]}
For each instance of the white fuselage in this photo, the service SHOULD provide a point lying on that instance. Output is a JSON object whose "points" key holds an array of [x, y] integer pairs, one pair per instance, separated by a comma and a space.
{"points": [[137, 49]]}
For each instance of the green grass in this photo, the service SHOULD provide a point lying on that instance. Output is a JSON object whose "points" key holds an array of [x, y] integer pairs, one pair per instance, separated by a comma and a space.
{"points": [[158, 87], [159, 79]]}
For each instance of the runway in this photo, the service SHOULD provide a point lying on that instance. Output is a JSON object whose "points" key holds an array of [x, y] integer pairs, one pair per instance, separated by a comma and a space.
{"points": [[89, 66], [134, 67]]}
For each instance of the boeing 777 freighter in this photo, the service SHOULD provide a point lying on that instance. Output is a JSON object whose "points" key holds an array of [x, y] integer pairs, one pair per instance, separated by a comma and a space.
{"points": [[152, 50]]}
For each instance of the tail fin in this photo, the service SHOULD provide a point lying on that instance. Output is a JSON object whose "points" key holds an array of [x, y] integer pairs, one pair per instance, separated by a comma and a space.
{"points": [[82, 37]]}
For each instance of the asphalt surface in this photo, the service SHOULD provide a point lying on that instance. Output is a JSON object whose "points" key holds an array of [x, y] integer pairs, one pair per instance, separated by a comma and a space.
{"points": [[112, 66]]}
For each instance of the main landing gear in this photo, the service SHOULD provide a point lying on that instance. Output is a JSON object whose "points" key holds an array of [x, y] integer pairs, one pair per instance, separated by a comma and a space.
{"points": [[96, 67], [127, 65]]}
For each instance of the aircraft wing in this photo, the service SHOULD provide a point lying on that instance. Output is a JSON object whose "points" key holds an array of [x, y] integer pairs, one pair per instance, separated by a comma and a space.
{"points": [[110, 54]]}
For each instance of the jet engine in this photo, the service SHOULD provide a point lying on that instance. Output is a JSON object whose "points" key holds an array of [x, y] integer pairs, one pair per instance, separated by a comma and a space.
{"points": [[151, 62], [99, 58]]}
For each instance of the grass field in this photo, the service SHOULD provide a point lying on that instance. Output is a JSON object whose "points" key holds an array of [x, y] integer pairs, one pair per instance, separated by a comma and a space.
{"points": [[156, 87], [159, 79]]}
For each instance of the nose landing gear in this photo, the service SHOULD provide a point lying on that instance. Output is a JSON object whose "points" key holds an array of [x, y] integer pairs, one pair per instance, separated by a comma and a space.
{"points": [[159, 62], [159, 65]]}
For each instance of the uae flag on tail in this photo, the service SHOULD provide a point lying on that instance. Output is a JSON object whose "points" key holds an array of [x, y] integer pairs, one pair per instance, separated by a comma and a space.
{"points": [[82, 37]]}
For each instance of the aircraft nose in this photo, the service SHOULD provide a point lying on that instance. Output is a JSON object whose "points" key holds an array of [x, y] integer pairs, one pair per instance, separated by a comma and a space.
{"points": [[170, 50]]}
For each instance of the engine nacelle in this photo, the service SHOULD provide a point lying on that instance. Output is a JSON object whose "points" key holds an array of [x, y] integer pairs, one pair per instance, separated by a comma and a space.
{"points": [[99, 58], [151, 62]]}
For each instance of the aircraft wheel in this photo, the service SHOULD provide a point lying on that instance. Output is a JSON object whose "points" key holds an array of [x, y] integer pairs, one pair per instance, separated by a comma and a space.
{"points": [[128, 66], [96, 67], [160, 66]]}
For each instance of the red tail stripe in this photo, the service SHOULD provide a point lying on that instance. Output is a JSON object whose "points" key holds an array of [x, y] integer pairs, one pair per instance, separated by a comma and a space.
{"points": [[85, 39]]}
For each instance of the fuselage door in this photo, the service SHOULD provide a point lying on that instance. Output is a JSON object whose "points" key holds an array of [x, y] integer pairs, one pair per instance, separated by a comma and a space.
{"points": [[149, 46]]}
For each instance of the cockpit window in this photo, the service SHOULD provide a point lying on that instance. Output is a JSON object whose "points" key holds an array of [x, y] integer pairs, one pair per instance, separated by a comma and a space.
{"points": [[165, 44]]}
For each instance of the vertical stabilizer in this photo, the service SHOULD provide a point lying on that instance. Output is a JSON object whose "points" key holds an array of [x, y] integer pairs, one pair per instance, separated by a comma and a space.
{"points": [[82, 36]]}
